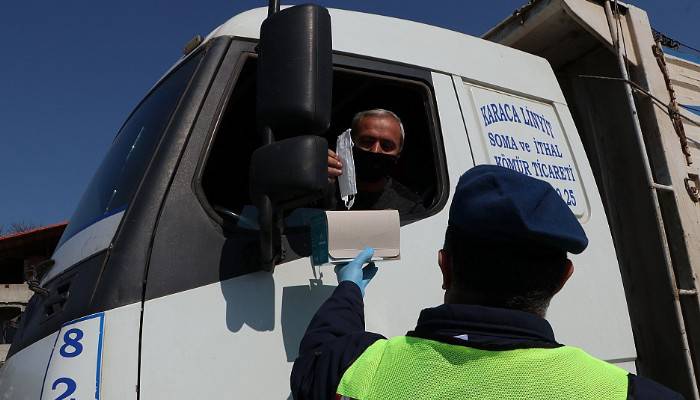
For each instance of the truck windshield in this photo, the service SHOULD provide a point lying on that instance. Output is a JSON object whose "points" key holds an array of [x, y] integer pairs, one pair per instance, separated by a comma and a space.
{"points": [[120, 173]]}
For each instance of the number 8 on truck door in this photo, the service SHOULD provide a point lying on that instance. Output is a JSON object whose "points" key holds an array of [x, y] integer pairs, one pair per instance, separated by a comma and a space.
{"points": [[73, 371]]}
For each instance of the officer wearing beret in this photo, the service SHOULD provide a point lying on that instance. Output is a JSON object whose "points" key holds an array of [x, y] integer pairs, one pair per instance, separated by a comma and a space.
{"points": [[504, 257]]}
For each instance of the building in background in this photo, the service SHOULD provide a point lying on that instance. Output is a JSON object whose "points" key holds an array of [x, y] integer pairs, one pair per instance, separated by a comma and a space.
{"points": [[16, 251]]}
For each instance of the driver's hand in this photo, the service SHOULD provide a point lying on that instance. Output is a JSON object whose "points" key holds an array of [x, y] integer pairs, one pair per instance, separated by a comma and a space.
{"points": [[335, 167]]}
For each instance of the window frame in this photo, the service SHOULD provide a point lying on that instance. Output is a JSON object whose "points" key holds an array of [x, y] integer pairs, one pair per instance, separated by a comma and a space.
{"points": [[400, 73]]}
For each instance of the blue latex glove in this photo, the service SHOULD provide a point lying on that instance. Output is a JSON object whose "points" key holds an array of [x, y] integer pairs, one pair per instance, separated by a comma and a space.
{"points": [[353, 271]]}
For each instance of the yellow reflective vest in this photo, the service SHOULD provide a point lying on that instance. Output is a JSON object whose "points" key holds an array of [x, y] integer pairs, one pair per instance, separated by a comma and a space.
{"points": [[414, 368]]}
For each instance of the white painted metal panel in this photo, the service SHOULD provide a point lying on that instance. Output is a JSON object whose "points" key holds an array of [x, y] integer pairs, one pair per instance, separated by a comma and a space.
{"points": [[417, 44], [76, 360], [120, 353], [24, 373], [591, 311], [629, 366]]}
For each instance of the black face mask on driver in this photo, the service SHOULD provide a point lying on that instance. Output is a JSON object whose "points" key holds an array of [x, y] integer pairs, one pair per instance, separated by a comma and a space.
{"points": [[371, 167]]}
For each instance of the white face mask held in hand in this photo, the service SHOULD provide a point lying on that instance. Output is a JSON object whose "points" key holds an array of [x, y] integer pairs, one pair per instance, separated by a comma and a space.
{"points": [[346, 181]]}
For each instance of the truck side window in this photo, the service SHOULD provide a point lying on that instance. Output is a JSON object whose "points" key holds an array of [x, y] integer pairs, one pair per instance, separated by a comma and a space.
{"points": [[225, 179], [225, 183], [419, 173]]}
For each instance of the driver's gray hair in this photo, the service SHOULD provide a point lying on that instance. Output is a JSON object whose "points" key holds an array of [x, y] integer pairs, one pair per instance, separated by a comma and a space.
{"points": [[378, 112]]}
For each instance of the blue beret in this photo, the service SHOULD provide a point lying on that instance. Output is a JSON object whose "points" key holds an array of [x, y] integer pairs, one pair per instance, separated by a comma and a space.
{"points": [[498, 205]]}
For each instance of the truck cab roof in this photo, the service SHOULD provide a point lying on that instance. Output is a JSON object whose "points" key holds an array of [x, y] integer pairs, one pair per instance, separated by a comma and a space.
{"points": [[414, 43]]}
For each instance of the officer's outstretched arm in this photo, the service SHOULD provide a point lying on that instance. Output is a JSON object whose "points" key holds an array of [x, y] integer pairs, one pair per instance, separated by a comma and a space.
{"points": [[336, 335]]}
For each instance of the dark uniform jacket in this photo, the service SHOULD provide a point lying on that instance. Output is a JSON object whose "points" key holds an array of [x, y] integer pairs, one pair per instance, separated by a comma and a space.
{"points": [[394, 196], [336, 337]]}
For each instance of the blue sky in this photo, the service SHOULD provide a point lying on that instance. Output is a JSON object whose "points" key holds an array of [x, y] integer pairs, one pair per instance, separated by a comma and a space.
{"points": [[72, 70]]}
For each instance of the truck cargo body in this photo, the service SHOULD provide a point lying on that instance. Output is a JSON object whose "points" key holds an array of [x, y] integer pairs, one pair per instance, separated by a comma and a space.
{"points": [[659, 266]]}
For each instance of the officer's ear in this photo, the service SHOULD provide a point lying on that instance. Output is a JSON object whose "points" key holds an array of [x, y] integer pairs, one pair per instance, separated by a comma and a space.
{"points": [[567, 274], [445, 263]]}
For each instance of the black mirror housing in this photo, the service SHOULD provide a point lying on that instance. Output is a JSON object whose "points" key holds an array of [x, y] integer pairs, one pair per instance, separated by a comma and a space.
{"points": [[290, 172], [295, 72]]}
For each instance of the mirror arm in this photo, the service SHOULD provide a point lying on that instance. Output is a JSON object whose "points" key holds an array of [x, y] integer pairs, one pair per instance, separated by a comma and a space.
{"points": [[35, 287], [273, 7], [270, 233], [34, 273], [226, 213], [267, 136]]}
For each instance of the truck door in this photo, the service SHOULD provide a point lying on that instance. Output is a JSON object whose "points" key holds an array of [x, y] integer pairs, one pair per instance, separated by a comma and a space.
{"points": [[538, 138], [214, 324]]}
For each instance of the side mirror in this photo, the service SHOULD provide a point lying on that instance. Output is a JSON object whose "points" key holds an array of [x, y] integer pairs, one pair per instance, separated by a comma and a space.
{"points": [[284, 175], [290, 172], [294, 97], [295, 72]]}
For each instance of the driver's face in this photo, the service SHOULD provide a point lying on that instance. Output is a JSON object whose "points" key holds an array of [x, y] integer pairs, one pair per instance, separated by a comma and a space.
{"points": [[379, 135]]}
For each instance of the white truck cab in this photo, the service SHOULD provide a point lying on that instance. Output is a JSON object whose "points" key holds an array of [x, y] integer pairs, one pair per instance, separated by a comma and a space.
{"points": [[157, 290]]}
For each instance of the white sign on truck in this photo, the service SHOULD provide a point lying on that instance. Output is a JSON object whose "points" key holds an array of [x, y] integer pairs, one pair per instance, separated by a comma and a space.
{"points": [[526, 136], [74, 366]]}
